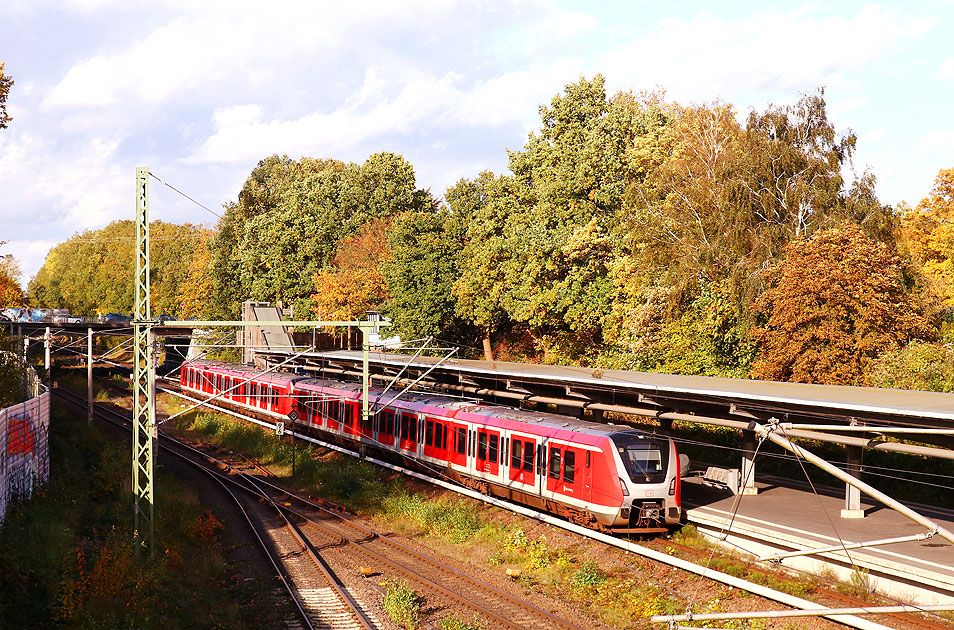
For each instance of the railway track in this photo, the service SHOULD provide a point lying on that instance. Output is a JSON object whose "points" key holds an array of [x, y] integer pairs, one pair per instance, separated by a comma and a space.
{"points": [[315, 536], [321, 601]]}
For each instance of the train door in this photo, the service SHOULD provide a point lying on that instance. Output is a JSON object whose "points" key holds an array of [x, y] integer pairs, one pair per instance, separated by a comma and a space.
{"points": [[541, 466], [488, 448], [350, 413], [408, 431], [554, 468], [386, 427], [570, 482], [334, 414], [588, 477], [457, 451], [435, 439], [522, 455], [311, 409]]}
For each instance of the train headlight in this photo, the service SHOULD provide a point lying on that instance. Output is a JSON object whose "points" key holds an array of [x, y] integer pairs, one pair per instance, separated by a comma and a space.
{"points": [[622, 486]]}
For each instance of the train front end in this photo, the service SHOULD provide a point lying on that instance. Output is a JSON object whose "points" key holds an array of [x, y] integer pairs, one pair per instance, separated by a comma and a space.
{"points": [[649, 477]]}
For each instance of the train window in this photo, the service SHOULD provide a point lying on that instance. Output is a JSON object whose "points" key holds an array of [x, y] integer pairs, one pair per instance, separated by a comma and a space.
{"points": [[541, 459], [516, 454], [503, 455], [492, 445], [334, 409], [569, 464], [528, 456], [440, 436], [554, 463], [365, 422], [587, 459], [389, 421], [429, 432], [482, 445], [460, 440]]}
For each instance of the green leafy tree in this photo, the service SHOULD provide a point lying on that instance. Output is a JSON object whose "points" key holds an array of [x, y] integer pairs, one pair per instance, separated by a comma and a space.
{"points": [[838, 302], [917, 365], [420, 275], [94, 271], [541, 242], [264, 191], [307, 212]]}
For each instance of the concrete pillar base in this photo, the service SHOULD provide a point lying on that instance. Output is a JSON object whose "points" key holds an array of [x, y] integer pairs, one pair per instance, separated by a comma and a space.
{"points": [[852, 513], [751, 490]]}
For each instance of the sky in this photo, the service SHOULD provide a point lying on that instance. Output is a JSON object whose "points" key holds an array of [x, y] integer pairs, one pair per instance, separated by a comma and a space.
{"points": [[199, 92]]}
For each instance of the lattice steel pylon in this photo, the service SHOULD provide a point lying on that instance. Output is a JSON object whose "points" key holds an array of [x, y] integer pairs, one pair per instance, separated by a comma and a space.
{"points": [[144, 378]]}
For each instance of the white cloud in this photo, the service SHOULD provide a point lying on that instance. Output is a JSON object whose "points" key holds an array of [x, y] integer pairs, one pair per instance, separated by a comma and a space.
{"points": [[935, 140], [708, 57], [218, 42], [382, 106], [946, 71], [845, 105]]}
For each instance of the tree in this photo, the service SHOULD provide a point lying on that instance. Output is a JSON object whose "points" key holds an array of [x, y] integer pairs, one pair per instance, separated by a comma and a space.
{"points": [[263, 192], [420, 275], [353, 284], [310, 210], [928, 233], [540, 242], [10, 292], [196, 291], [838, 302], [6, 82], [94, 270]]}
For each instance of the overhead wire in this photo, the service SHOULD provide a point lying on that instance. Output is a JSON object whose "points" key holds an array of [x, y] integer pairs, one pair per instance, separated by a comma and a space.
{"points": [[156, 177]]}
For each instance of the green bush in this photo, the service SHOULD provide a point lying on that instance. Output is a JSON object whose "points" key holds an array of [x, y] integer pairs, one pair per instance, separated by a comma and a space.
{"points": [[403, 605], [918, 366], [588, 576]]}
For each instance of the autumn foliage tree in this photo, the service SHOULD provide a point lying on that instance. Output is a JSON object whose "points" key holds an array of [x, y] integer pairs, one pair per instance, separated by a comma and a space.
{"points": [[838, 302], [10, 292], [353, 284], [928, 233], [6, 82], [195, 292]]}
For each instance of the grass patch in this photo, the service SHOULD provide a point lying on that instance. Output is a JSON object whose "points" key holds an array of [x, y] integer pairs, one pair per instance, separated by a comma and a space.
{"points": [[453, 622], [70, 561], [450, 518]]}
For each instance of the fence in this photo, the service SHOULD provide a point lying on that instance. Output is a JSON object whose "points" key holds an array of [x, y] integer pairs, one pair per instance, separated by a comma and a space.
{"points": [[24, 448]]}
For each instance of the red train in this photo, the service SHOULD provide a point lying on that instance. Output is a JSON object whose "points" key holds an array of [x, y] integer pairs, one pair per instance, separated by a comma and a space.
{"points": [[601, 476]]}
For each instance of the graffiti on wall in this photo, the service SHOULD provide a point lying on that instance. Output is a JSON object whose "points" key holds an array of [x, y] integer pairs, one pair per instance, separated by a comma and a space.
{"points": [[24, 450]]}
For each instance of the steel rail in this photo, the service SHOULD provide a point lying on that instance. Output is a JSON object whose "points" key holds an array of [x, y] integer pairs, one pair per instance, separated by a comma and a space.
{"points": [[222, 480], [371, 535]]}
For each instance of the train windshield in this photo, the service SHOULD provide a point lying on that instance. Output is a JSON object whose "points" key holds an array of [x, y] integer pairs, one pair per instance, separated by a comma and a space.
{"points": [[644, 456]]}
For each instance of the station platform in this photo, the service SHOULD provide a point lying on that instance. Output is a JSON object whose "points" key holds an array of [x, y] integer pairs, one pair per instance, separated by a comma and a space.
{"points": [[783, 518]]}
